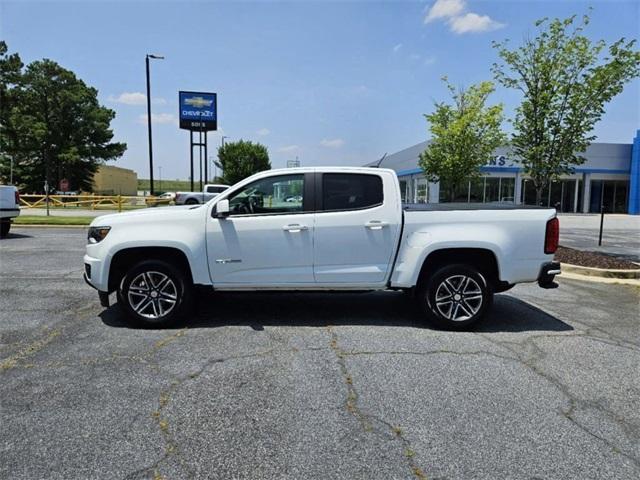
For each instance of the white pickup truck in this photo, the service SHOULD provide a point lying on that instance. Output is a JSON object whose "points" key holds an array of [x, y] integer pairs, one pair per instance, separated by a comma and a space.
{"points": [[347, 230], [194, 198], [9, 207]]}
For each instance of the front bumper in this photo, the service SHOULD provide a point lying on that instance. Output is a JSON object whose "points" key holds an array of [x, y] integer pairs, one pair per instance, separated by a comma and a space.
{"points": [[547, 274], [104, 296], [94, 277]]}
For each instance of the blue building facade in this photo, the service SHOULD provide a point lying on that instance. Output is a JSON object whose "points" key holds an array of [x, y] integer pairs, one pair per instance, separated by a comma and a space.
{"points": [[610, 176]]}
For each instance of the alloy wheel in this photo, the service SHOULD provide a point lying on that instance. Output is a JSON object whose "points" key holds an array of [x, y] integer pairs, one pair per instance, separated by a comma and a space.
{"points": [[458, 298], [152, 295]]}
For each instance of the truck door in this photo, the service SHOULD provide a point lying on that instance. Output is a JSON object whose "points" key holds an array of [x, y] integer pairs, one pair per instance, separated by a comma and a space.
{"points": [[267, 240], [356, 229]]}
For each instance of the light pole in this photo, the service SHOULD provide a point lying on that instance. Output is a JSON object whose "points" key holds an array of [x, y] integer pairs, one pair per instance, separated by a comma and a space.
{"points": [[219, 163], [146, 59]]}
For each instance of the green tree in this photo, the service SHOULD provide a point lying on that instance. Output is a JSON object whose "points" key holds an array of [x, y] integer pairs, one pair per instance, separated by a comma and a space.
{"points": [[53, 126], [464, 134], [10, 78], [565, 80], [242, 159]]}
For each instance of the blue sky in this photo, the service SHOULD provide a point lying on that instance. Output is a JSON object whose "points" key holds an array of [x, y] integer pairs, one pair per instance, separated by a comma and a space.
{"points": [[329, 82]]}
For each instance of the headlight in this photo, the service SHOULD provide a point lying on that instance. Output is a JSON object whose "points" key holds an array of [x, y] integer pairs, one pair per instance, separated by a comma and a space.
{"points": [[97, 234]]}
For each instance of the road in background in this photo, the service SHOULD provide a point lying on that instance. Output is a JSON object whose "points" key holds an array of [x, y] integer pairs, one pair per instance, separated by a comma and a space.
{"points": [[621, 234], [310, 385]]}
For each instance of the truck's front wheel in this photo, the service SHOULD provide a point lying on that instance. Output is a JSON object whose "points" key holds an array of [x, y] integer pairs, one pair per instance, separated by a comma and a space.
{"points": [[455, 296], [155, 294]]}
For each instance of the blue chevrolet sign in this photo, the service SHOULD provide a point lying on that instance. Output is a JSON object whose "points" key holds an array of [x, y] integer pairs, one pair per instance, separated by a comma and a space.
{"points": [[198, 111]]}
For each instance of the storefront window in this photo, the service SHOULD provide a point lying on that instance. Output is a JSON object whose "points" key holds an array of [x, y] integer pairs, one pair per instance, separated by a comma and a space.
{"points": [[421, 190], [567, 198], [476, 190], [403, 190], [555, 195], [492, 190], [507, 189], [611, 193], [621, 202]]}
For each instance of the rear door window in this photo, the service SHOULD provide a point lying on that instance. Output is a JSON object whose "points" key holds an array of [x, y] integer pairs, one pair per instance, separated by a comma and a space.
{"points": [[350, 191]]}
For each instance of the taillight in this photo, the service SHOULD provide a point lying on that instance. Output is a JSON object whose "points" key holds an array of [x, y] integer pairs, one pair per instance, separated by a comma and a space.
{"points": [[552, 236], [17, 197]]}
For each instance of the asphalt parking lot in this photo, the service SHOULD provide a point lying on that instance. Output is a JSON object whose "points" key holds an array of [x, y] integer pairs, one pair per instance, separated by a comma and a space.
{"points": [[310, 385]]}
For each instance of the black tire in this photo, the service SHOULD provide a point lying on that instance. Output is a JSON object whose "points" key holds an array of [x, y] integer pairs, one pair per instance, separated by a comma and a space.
{"points": [[5, 226], [155, 294], [192, 201], [455, 297]]}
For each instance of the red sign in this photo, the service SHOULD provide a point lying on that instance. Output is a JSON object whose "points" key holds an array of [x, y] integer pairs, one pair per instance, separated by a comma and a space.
{"points": [[64, 185]]}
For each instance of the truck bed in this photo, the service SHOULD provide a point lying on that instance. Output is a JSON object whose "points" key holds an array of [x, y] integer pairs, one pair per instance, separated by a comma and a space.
{"points": [[436, 207]]}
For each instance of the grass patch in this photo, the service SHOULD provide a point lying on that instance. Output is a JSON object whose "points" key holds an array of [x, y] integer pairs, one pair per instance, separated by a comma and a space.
{"points": [[43, 220], [167, 185]]}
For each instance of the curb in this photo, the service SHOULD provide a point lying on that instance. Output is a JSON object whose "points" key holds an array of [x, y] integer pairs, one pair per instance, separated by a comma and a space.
{"points": [[593, 279], [626, 274]]}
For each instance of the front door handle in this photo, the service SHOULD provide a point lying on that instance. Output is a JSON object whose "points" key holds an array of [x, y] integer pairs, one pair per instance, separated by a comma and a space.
{"points": [[375, 225], [295, 228]]}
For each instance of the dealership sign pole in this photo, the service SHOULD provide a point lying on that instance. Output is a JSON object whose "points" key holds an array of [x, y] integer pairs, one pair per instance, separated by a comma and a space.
{"points": [[198, 112]]}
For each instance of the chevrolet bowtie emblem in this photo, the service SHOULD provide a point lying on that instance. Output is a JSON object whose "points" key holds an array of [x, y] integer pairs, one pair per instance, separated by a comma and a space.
{"points": [[198, 102]]}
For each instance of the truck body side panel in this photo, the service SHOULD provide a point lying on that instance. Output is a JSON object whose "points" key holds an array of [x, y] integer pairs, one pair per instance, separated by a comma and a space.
{"points": [[515, 237]]}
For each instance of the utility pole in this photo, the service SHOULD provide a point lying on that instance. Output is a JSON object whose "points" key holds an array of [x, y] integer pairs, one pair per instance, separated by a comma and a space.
{"points": [[147, 57]]}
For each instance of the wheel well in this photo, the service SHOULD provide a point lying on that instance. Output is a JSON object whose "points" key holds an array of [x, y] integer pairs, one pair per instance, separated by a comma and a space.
{"points": [[482, 259], [123, 260]]}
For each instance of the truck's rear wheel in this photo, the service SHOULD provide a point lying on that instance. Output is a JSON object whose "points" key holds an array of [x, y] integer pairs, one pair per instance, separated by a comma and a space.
{"points": [[455, 296], [155, 294], [191, 201], [5, 226]]}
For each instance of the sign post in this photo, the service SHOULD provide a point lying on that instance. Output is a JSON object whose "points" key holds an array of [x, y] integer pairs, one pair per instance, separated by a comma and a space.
{"points": [[198, 112]]}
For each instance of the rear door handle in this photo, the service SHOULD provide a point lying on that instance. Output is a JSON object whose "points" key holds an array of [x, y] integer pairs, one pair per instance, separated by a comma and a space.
{"points": [[375, 225], [295, 228]]}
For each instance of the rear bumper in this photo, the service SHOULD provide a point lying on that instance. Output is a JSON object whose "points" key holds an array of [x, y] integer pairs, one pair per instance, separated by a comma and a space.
{"points": [[548, 273], [9, 213]]}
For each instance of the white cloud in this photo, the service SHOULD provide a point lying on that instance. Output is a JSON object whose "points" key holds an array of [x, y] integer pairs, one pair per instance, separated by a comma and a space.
{"points": [[454, 12], [289, 149], [397, 48], [474, 23], [361, 91], [263, 132], [414, 56], [445, 9], [135, 98], [332, 142], [430, 60], [160, 118]]}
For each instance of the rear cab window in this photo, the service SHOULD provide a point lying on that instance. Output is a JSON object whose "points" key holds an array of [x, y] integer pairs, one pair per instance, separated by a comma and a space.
{"points": [[351, 191]]}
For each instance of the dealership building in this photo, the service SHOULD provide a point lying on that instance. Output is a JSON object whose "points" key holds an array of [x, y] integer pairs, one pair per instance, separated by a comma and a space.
{"points": [[610, 175]]}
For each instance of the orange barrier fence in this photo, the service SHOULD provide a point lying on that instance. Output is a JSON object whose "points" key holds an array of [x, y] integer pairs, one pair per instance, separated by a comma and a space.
{"points": [[93, 202]]}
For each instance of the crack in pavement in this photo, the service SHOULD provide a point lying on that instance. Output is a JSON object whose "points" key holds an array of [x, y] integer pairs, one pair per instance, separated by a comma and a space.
{"points": [[369, 421], [522, 356], [171, 448], [51, 334], [574, 402]]}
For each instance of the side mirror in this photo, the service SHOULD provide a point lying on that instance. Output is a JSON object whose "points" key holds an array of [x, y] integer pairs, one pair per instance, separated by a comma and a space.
{"points": [[222, 208]]}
